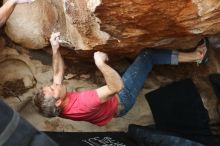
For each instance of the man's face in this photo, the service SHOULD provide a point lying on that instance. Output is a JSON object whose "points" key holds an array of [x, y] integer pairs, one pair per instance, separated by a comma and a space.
{"points": [[57, 91]]}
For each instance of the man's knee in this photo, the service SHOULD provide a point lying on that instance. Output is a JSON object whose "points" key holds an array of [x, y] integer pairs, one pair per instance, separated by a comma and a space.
{"points": [[145, 54], [146, 51]]}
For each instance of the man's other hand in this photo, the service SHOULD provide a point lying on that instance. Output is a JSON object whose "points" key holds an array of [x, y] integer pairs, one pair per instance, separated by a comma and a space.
{"points": [[100, 58], [23, 1], [54, 41]]}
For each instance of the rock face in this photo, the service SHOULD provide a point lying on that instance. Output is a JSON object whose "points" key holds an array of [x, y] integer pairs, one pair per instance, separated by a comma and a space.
{"points": [[118, 27], [74, 19], [122, 27]]}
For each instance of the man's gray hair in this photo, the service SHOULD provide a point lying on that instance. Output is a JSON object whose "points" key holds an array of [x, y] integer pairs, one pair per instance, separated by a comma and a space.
{"points": [[46, 106]]}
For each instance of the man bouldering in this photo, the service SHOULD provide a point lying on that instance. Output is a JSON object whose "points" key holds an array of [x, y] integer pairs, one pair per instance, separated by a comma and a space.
{"points": [[117, 97], [8, 8]]}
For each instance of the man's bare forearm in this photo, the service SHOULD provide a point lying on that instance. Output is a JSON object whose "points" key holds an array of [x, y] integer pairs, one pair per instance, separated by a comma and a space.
{"points": [[58, 67], [112, 78], [6, 10]]}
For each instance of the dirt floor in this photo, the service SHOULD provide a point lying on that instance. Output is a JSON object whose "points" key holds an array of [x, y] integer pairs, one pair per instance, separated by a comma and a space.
{"points": [[83, 76]]}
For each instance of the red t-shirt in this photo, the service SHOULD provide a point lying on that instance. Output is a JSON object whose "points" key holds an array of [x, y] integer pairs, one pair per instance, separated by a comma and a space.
{"points": [[86, 106]]}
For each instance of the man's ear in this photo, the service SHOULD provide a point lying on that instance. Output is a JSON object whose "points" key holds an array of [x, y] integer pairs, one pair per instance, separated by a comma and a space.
{"points": [[58, 102]]}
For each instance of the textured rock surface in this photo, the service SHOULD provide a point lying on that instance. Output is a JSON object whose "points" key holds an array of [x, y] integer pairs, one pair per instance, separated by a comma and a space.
{"points": [[119, 27]]}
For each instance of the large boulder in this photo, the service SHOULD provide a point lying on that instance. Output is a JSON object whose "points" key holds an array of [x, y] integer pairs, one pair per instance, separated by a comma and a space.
{"points": [[122, 27]]}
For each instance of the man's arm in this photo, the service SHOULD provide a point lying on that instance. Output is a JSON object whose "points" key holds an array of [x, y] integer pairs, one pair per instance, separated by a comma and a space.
{"points": [[58, 64], [7, 9], [113, 80]]}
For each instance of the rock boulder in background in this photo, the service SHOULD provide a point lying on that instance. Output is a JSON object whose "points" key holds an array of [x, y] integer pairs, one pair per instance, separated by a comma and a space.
{"points": [[122, 27]]}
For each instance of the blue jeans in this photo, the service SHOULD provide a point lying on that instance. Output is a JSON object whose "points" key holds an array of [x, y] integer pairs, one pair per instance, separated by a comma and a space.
{"points": [[137, 72]]}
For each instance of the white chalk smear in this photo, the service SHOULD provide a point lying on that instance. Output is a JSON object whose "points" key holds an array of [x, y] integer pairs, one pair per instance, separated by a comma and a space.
{"points": [[92, 4]]}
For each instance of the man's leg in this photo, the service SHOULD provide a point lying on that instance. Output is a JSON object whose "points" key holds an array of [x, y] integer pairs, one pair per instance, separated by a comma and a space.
{"points": [[136, 74]]}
